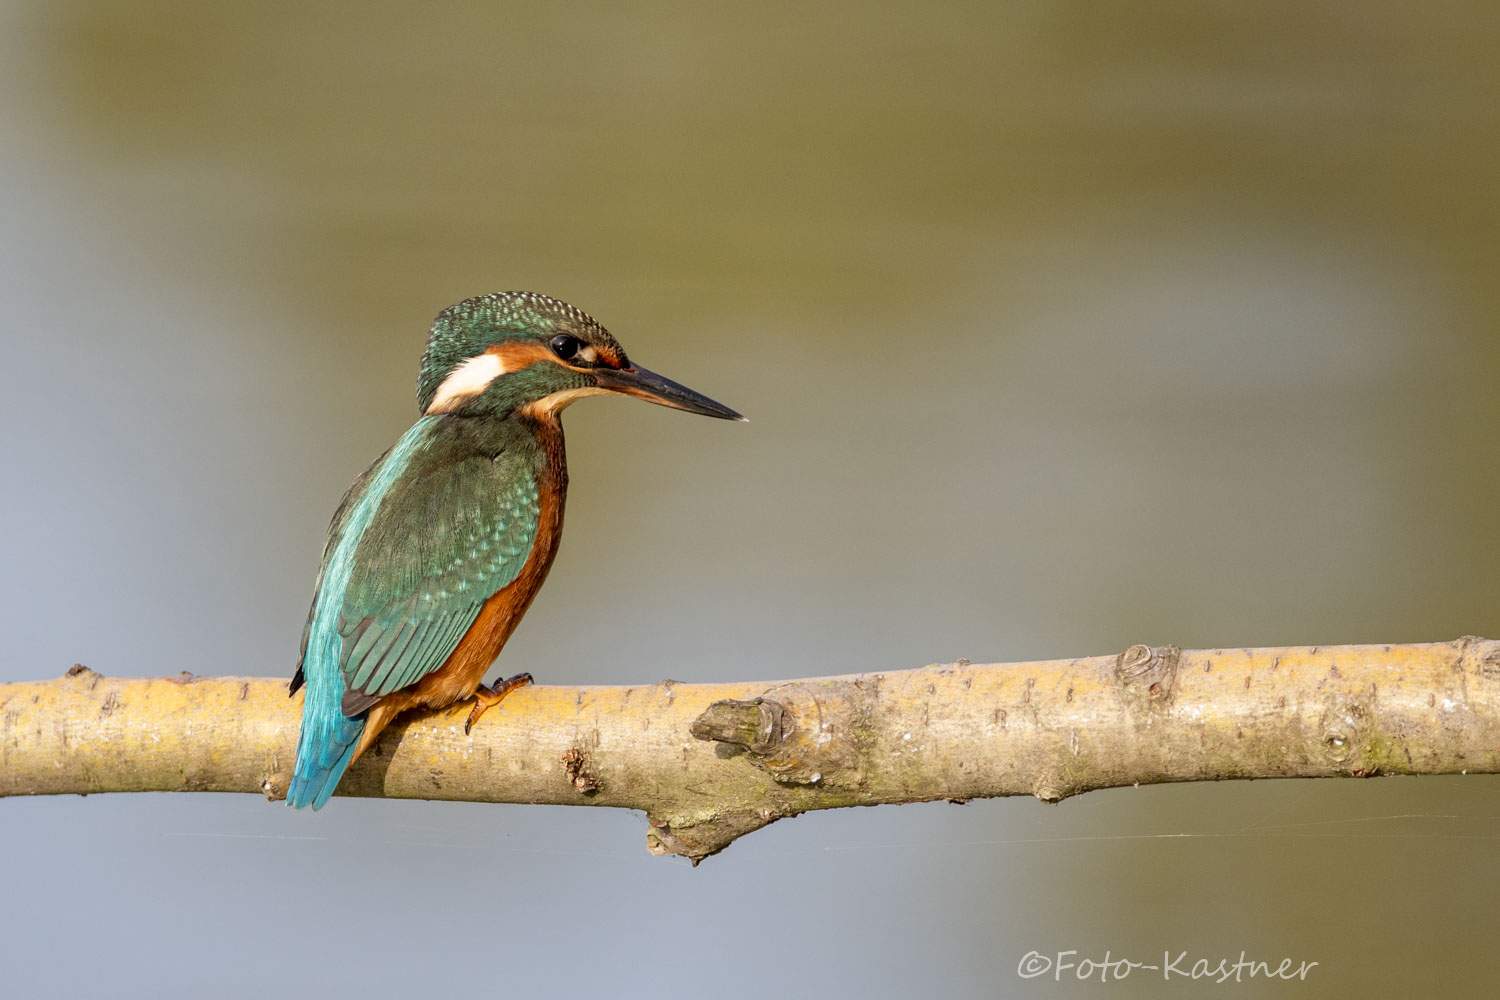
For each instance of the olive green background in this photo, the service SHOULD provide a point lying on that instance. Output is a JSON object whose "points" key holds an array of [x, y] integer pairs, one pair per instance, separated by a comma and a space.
{"points": [[1061, 326]]}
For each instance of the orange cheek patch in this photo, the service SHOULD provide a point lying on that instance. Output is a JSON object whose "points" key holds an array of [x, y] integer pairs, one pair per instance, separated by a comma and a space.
{"points": [[515, 355]]}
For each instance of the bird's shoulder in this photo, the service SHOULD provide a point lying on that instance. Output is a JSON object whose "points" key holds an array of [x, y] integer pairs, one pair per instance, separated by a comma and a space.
{"points": [[439, 522], [458, 521]]}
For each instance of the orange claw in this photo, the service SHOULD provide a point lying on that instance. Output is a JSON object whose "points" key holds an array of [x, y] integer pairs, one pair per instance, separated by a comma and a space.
{"points": [[487, 698]]}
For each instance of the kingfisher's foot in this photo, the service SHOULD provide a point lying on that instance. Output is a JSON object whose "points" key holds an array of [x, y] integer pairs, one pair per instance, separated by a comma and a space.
{"points": [[486, 698]]}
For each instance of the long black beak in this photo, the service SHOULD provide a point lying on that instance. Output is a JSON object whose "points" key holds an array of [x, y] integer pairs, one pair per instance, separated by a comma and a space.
{"points": [[653, 388]]}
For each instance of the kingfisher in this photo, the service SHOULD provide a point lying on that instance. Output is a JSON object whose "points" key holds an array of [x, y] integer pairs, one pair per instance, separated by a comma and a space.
{"points": [[439, 547]]}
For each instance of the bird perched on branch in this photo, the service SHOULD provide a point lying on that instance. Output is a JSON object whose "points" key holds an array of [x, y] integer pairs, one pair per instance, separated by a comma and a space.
{"points": [[438, 548]]}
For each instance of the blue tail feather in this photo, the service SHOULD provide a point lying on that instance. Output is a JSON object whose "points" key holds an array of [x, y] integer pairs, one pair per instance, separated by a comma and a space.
{"points": [[328, 738], [318, 771]]}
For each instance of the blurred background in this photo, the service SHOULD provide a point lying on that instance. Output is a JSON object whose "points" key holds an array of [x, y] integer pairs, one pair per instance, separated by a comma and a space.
{"points": [[1060, 327]]}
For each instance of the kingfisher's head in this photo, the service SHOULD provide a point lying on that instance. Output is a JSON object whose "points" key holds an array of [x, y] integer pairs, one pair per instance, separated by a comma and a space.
{"points": [[522, 352]]}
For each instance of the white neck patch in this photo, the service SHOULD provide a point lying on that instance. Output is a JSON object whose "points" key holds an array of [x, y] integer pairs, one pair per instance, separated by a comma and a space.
{"points": [[467, 380], [550, 406]]}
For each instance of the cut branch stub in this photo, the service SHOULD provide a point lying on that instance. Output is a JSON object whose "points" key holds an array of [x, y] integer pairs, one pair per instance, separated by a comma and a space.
{"points": [[799, 734], [756, 725]]}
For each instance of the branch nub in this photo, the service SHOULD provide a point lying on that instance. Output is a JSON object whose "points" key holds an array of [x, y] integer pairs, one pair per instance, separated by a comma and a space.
{"points": [[758, 725]]}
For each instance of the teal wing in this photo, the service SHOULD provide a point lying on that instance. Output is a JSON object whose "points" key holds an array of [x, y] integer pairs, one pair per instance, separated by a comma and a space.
{"points": [[331, 542], [443, 542]]}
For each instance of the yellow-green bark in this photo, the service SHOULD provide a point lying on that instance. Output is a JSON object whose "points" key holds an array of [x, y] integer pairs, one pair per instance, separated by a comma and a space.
{"points": [[767, 750]]}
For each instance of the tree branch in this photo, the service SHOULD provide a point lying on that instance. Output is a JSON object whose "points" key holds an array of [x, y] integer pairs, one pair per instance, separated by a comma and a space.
{"points": [[712, 762]]}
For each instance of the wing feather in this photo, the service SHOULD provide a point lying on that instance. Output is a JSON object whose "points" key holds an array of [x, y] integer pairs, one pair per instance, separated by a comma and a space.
{"points": [[390, 657], [444, 541], [369, 649]]}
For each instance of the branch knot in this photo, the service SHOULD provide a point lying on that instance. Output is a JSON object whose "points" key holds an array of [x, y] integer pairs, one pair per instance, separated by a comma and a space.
{"points": [[1146, 675]]}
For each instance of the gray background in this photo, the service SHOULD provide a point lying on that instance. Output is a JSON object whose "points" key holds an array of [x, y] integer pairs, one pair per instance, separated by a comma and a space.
{"points": [[1059, 328]]}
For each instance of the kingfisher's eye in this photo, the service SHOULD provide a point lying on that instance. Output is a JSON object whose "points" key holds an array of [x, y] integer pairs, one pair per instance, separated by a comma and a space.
{"points": [[566, 347]]}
